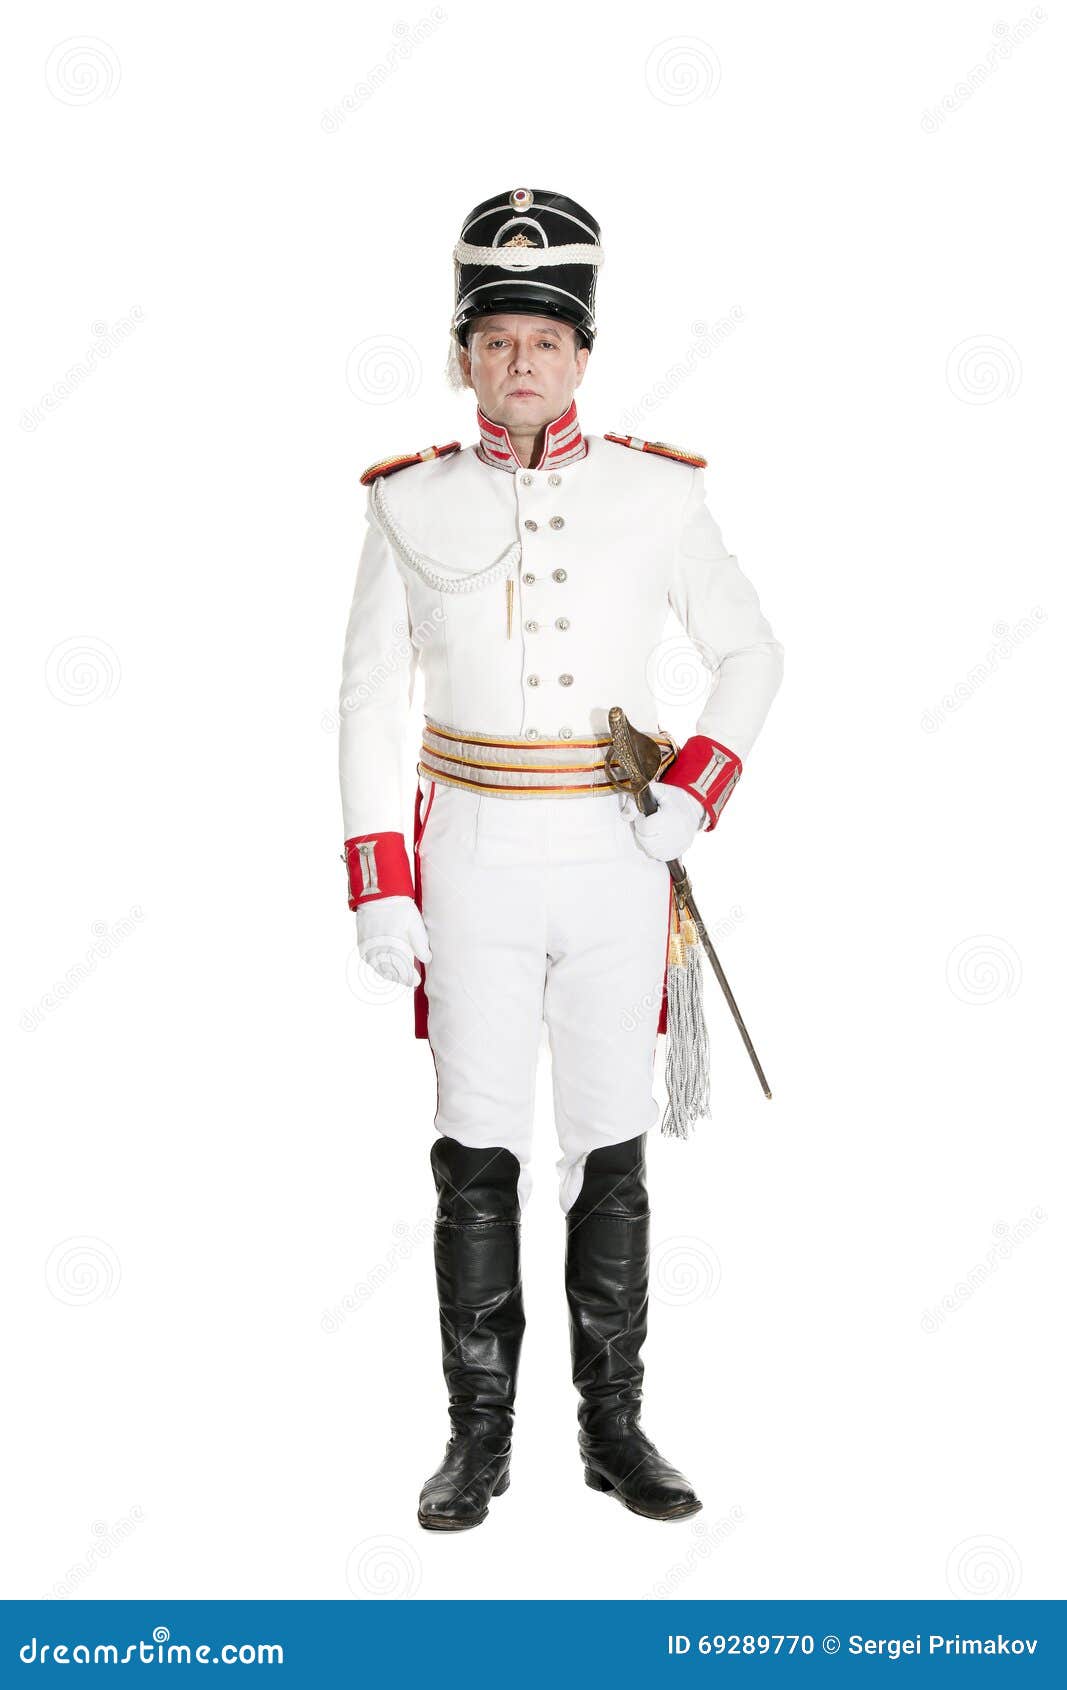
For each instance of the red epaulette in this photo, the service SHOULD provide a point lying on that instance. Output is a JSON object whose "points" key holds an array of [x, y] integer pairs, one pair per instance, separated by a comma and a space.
{"points": [[661, 449], [387, 466]]}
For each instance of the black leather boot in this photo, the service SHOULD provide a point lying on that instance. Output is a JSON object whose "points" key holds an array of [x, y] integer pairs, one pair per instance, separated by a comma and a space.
{"points": [[479, 1289], [607, 1293]]}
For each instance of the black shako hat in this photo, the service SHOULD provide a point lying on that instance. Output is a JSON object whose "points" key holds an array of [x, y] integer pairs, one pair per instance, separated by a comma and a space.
{"points": [[528, 250]]}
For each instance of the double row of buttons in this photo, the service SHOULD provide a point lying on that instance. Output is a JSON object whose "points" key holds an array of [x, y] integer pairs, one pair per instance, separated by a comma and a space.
{"points": [[562, 622]]}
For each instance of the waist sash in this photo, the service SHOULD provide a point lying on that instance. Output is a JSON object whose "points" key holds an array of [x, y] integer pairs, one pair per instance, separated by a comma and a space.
{"points": [[522, 768]]}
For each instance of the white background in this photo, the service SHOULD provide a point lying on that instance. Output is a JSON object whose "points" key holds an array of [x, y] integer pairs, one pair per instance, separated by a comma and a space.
{"points": [[218, 1137]]}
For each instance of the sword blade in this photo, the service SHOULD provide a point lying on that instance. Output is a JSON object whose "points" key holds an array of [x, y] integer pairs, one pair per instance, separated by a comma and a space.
{"points": [[684, 892], [624, 756]]}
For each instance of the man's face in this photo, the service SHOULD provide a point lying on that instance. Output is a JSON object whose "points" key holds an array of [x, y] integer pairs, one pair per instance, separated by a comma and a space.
{"points": [[524, 370]]}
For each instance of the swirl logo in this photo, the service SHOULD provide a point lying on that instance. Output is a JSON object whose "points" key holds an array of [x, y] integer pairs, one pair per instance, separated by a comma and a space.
{"points": [[983, 1567], [383, 369], [82, 671], [82, 70], [684, 1270], [82, 1270], [983, 369], [983, 969], [368, 985], [383, 1566], [160, 1634], [675, 673], [682, 70]]}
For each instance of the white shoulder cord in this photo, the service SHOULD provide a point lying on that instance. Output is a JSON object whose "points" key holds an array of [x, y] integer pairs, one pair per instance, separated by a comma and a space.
{"points": [[438, 576]]}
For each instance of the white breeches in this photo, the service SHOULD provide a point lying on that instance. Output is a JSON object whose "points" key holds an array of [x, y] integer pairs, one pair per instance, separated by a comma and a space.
{"points": [[541, 910]]}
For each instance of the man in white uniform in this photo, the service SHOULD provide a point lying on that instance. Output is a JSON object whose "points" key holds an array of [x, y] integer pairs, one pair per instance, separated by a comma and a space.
{"points": [[530, 575]]}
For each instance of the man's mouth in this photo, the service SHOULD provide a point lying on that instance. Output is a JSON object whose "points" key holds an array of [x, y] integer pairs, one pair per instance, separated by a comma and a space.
{"points": [[523, 393]]}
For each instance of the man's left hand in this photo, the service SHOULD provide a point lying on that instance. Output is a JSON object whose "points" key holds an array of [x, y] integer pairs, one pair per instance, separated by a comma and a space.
{"points": [[669, 832]]}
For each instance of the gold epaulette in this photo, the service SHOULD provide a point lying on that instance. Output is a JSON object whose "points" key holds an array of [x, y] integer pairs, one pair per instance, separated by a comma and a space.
{"points": [[388, 465], [661, 449]]}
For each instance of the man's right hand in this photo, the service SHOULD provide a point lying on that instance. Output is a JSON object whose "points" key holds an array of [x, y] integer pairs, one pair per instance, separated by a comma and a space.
{"points": [[390, 934]]}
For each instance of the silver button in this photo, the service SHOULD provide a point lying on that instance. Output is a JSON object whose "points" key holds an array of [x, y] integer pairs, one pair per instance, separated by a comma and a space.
{"points": [[527, 480], [563, 622], [565, 733], [555, 480], [556, 522], [565, 680], [533, 680], [531, 627], [531, 525], [529, 579], [531, 733], [559, 575]]}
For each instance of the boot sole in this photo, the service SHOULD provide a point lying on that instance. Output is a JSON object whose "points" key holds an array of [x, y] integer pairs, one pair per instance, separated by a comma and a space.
{"points": [[441, 1522], [683, 1510]]}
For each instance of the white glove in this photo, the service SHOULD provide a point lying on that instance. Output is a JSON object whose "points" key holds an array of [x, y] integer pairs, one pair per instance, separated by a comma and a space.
{"points": [[390, 934], [668, 833]]}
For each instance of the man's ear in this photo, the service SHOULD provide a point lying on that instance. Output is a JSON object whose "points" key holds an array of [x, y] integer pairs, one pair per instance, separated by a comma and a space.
{"points": [[465, 365], [581, 358]]}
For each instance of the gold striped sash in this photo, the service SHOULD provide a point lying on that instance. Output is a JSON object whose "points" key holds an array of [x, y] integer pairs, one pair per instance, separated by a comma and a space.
{"points": [[521, 768]]}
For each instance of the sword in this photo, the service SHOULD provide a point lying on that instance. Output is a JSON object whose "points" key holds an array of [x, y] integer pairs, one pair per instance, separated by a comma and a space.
{"points": [[634, 759]]}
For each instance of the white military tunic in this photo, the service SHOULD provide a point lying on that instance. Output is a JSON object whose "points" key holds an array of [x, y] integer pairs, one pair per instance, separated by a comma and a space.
{"points": [[534, 599]]}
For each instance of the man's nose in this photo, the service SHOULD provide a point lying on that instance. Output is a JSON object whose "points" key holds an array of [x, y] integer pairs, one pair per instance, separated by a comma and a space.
{"points": [[520, 360]]}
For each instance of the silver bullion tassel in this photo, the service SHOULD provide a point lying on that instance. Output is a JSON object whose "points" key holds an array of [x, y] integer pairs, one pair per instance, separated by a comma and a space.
{"points": [[688, 1060]]}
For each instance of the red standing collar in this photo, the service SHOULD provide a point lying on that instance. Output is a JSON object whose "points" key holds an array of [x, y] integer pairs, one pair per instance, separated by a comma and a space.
{"points": [[564, 443]]}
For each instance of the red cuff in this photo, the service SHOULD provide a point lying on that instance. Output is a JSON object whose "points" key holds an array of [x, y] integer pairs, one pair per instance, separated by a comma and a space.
{"points": [[708, 771], [378, 867]]}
